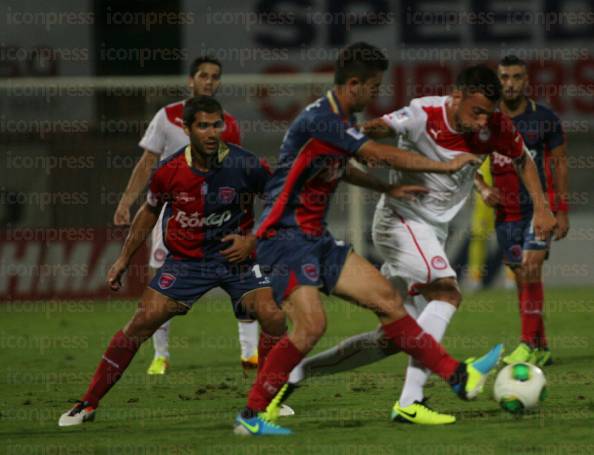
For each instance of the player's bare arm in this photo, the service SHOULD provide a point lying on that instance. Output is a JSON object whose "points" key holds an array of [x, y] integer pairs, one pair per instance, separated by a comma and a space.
{"points": [[560, 183], [143, 224], [136, 183], [375, 153], [543, 219], [489, 194], [358, 177], [241, 247], [377, 128]]}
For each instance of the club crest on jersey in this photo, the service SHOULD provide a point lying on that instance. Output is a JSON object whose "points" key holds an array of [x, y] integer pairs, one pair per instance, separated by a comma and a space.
{"points": [[166, 280], [484, 134], [226, 195], [160, 254], [310, 271], [439, 263]]}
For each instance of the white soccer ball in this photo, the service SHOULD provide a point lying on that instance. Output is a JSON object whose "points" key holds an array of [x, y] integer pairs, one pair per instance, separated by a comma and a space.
{"points": [[520, 387]]}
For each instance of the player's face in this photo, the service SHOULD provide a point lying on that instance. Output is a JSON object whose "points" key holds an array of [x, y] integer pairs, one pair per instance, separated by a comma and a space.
{"points": [[514, 79], [472, 110], [205, 132], [365, 92], [207, 79]]}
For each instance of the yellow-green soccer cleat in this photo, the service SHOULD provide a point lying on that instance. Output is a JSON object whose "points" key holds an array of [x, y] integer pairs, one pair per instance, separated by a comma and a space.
{"points": [[522, 354], [473, 373], [541, 357], [159, 365], [420, 414]]}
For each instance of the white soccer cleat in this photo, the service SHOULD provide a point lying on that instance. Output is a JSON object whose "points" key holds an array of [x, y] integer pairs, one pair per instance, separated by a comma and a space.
{"points": [[80, 413], [286, 411]]}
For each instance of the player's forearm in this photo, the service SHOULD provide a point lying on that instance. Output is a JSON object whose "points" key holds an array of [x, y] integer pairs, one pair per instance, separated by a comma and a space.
{"points": [[360, 178], [138, 178], [400, 159], [526, 169], [561, 177], [142, 225]]}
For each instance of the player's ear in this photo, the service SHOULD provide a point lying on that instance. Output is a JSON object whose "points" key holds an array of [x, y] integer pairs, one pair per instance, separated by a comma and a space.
{"points": [[191, 83], [186, 130]]}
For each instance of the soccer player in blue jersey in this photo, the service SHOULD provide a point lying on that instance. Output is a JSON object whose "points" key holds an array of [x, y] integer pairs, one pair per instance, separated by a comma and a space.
{"points": [[208, 188], [302, 258], [523, 252]]}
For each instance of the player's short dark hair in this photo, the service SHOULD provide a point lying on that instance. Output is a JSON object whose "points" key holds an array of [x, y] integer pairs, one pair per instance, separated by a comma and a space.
{"points": [[360, 60], [200, 103], [512, 60], [479, 79], [204, 59]]}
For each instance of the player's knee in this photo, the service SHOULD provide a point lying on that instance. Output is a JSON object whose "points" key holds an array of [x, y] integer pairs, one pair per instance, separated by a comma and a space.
{"points": [[532, 270], [445, 290], [310, 330], [387, 303], [272, 320]]}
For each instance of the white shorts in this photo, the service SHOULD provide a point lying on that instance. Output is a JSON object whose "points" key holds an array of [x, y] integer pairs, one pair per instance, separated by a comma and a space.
{"points": [[411, 249], [158, 250]]}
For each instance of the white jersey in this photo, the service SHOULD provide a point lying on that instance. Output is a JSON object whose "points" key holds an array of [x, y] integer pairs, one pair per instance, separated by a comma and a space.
{"points": [[165, 134], [423, 128]]}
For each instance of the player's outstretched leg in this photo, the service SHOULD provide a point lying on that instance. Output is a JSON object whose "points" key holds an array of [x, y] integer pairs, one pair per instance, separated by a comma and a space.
{"points": [[160, 362], [361, 282], [306, 312], [153, 310]]}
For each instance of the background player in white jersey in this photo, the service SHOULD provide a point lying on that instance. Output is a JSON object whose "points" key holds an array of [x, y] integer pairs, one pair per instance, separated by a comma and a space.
{"points": [[411, 234], [163, 137]]}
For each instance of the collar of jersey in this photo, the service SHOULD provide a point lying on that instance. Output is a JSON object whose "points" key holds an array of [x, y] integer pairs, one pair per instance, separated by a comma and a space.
{"points": [[334, 104], [222, 154]]}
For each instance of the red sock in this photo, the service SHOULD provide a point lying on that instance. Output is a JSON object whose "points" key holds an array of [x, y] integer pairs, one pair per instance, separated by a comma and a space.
{"points": [[283, 357], [406, 334], [531, 305], [265, 344], [116, 359]]}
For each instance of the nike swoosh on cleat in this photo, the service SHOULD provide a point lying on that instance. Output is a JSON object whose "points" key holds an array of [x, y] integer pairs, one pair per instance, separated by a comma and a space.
{"points": [[251, 428], [412, 416]]}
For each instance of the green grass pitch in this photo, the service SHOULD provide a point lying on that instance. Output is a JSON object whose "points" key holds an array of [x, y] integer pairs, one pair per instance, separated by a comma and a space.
{"points": [[49, 352]]}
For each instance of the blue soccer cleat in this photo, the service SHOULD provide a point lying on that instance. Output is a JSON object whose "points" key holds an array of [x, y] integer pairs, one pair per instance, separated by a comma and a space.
{"points": [[476, 372], [258, 426]]}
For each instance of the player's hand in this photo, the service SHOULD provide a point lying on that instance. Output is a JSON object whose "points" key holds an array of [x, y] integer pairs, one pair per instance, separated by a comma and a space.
{"points": [[406, 192], [121, 217], [240, 249], [562, 225], [463, 159], [115, 273], [377, 129], [491, 196], [544, 223]]}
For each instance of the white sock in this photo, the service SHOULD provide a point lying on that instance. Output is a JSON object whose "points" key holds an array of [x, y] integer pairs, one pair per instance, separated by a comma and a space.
{"points": [[161, 340], [433, 320], [248, 338]]}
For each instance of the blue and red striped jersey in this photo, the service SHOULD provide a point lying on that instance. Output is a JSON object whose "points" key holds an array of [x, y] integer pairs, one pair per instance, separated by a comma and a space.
{"points": [[203, 207], [542, 132], [312, 159]]}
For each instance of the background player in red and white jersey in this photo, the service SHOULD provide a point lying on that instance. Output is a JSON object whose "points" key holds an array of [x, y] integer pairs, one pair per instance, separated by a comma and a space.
{"points": [[522, 251], [411, 234], [163, 137]]}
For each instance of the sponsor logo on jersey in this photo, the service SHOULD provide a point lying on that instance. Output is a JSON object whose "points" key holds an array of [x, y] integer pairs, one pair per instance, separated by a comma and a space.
{"points": [[500, 160], [185, 197], [310, 271], [194, 220], [439, 263], [166, 280], [226, 195]]}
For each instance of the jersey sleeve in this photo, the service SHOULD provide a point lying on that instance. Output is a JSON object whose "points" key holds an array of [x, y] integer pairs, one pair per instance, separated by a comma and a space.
{"points": [[509, 140], [154, 137], [232, 132], [408, 121], [331, 129], [554, 136], [157, 195]]}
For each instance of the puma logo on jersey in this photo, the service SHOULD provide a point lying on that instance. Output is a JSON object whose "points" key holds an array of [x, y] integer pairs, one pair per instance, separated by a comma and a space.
{"points": [[196, 221]]}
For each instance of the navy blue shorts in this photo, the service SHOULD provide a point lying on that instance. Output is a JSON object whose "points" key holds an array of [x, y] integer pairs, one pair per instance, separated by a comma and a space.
{"points": [[185, 281], [292, 259], [514, 237]]}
